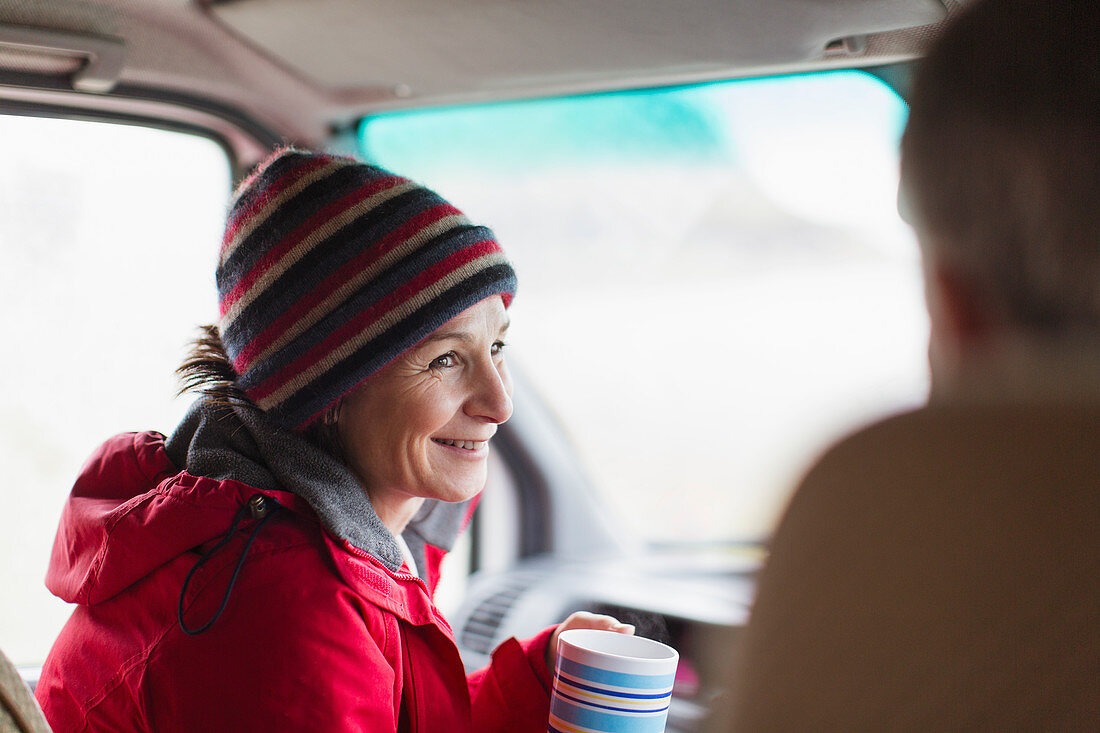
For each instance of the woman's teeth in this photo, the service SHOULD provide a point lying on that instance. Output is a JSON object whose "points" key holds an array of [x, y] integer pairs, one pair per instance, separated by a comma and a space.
{"points": [[463, 444]]}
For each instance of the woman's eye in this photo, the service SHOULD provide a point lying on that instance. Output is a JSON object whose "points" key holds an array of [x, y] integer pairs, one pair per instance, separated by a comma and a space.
{"points": [[443, 362], [497, 348]]}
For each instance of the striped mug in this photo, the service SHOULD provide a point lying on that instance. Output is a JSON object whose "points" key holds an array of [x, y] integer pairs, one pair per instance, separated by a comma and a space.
{"points": [[605, 682]]}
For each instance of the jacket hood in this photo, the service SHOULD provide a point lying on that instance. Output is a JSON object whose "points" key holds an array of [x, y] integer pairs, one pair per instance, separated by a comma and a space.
{"points": [[127, 515], [132, 509]]}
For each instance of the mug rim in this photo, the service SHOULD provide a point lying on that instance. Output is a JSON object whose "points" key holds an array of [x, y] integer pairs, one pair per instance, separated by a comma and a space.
{"points": [[668, 654]]}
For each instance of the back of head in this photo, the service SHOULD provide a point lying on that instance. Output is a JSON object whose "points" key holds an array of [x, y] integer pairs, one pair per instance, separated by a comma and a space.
{"points": [[1001, 158]]}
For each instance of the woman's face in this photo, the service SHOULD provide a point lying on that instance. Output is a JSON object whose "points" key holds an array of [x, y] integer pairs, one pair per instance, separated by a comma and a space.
{"points": [[420, 426]]}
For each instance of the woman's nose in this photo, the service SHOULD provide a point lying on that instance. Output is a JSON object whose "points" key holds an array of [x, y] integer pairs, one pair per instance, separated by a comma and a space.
{"points": [[492, 394]]}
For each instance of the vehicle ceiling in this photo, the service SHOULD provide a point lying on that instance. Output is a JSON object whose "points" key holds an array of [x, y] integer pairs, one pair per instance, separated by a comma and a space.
{"points": [[256, 72]]}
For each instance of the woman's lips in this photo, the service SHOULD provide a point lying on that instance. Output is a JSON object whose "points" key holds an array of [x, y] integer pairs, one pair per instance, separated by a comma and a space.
{"points": [[472, 446]]}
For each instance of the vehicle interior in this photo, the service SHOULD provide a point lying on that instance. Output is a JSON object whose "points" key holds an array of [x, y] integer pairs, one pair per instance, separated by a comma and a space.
{"points": [[699, 198]]}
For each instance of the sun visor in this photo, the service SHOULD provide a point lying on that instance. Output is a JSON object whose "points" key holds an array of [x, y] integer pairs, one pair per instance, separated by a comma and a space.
{"points": [[440, 50]]}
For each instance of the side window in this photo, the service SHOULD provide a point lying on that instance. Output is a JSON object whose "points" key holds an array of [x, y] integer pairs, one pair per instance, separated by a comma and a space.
{"points": [[109, 235]]}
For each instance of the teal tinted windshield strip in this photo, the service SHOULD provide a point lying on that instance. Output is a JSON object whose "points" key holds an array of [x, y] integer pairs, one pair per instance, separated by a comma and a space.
{"points": [[543, 133], [681, 124]]}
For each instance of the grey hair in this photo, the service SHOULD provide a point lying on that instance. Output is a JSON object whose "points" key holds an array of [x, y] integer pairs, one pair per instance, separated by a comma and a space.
{"points": [[1001, 158]]}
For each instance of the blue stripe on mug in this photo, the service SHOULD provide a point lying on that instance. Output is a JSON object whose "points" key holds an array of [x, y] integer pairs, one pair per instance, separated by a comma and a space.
{"points": [[616, 693], [583, 717], [617, 679]]}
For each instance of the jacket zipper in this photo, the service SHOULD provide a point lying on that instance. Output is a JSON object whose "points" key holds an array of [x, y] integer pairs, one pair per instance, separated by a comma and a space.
{"points": [[400, 575], [397, 574]]}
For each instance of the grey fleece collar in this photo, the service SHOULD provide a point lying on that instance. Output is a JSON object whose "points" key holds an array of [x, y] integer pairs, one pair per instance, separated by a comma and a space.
{"points": [[242, 444]]}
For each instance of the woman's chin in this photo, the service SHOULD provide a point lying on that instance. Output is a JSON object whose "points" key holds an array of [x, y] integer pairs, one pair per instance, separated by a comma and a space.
{"points": [[457, 491], [457, 482]]}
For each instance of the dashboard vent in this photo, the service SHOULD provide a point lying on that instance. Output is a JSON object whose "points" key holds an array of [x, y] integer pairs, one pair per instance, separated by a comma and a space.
{"points": [[479, 633]]}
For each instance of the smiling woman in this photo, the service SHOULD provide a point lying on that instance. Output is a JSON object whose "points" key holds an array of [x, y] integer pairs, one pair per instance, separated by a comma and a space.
{"points": [[267, 553], [420, 428]]}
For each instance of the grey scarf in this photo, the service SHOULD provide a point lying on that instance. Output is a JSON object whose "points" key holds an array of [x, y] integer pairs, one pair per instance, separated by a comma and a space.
{"points": [[241, 444]]}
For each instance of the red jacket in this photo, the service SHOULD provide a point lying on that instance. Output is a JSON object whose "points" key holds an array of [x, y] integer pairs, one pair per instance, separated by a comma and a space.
{"points": [[316, 634]]}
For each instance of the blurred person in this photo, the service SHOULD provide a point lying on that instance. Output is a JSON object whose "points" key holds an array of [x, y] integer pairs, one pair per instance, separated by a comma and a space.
{"points": [[1000, 175], [938, 570], [270, 565]]}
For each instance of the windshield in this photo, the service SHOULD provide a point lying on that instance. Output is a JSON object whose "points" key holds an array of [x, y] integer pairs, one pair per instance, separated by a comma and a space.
{"points": [[714, 281]]}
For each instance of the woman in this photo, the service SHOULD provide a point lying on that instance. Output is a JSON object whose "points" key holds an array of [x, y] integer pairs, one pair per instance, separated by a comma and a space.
{"points": [[270, 565]]}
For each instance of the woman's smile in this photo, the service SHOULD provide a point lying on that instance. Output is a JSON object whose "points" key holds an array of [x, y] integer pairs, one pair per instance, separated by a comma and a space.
{"points": [[476, 447]]}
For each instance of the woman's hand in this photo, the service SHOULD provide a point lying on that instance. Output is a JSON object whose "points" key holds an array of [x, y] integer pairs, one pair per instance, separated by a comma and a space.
{"points": [[583, 620]]}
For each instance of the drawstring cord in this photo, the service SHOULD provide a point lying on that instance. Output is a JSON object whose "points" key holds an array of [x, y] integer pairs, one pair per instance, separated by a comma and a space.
{"points": [[260, 507]]}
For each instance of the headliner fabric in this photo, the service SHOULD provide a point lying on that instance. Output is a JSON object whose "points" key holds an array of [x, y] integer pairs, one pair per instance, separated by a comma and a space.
{"points": [[310, 77]]}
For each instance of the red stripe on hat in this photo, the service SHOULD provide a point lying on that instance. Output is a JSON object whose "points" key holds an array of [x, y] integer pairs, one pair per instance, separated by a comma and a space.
{"points": [[276, 253], [368, 317], [241, 218], [337, 279]]}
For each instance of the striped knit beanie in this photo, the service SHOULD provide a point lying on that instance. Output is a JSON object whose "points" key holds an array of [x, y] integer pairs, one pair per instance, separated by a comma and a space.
{"points": [[331, 268]]}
